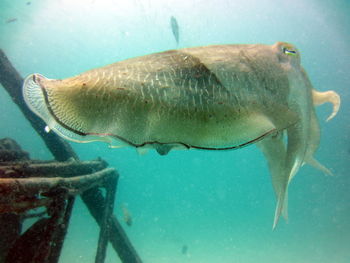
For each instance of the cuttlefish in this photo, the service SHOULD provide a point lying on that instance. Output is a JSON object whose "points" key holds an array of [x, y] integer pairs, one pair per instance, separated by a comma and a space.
{"points": [[214, 97]]}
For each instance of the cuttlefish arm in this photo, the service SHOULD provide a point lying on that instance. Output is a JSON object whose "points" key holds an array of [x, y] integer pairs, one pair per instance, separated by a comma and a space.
{"points": [[320, 98], [283, 162], [314, 141], [303, 140], [330, 96], [274, 151]]}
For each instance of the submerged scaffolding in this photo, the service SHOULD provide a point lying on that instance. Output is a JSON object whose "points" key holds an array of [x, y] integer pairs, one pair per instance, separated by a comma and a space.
{"points": [[27, 184]]}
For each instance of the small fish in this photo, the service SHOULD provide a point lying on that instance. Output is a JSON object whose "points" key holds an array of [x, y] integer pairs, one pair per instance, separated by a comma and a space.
{"points": [[184, 250], [175, 28], [11, 20], [126, 215], [28, 3]]}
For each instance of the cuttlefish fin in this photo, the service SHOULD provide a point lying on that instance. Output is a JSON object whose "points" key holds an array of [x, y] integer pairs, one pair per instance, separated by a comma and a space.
{"points": [[274, 151], [330, 96]]}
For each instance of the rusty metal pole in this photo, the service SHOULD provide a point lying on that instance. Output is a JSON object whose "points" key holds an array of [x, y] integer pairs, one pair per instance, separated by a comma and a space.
{"points": [[111, 186], [62, 151], [61, 232]]}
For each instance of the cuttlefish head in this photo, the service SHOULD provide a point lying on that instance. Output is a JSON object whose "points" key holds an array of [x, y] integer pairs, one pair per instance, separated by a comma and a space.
{"points": [[285, 157]]}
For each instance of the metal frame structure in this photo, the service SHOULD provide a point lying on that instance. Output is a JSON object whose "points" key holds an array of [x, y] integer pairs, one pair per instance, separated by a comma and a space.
{"points": [[27, 184]]}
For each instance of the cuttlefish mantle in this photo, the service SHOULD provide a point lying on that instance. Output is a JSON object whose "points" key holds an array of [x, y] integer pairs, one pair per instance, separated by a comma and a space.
{"points": [[214, 98]]}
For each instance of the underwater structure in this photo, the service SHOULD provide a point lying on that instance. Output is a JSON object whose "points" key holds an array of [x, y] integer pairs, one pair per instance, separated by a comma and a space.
{"points": [[52, 187]]}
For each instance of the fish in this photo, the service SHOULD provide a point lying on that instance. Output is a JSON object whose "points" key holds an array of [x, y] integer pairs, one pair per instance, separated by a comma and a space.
{"points": [[216, 97], [175, 28], [11, 20], [184, 250]]}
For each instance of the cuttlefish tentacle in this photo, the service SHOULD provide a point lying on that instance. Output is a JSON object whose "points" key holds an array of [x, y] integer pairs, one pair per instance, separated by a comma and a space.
{"points": [[330, 96]]}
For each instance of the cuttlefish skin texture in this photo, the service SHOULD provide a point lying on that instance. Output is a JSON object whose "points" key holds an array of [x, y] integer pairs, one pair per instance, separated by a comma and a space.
{"points": [[214, 97]]}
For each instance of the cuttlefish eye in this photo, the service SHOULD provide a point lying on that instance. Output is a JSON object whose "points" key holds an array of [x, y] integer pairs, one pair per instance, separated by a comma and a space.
{"points": [[289, 52]]}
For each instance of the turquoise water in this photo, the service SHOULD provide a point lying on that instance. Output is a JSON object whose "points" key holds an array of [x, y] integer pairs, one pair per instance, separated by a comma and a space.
{"points": [[219, 204]]}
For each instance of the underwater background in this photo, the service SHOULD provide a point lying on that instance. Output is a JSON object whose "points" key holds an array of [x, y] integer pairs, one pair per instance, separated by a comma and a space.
{"points": [[196, 206]]}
